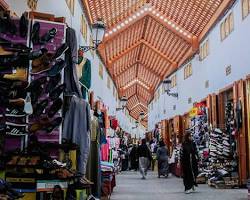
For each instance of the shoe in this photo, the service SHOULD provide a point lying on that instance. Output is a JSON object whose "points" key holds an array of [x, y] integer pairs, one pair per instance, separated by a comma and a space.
{"points": [[87, 181], [23, 26], [36, 83], [42, 64], [60, 51], [36, 93], [7, 84], [4, 52], [40, 107], [7, 24], [35, 33], [227, 150], [56, 106], [213, 154], [53, 82], [2, 127], [56, 68], [14, 113], [53, 125], [13, 61], [15, 129], [19, 74], [188, 191], [217, 131], [58, 163], [55, 94], [226, 143], [33, 128], [37, 54], [48, 36], [17, 103]]}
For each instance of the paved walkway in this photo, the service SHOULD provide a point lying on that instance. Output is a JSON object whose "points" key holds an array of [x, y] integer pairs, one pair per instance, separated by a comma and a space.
{"points": [[131, 187]]}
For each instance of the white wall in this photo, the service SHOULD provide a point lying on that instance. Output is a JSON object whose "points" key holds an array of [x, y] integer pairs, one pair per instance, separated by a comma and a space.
{"points": [[234, 51], [59, 8]]}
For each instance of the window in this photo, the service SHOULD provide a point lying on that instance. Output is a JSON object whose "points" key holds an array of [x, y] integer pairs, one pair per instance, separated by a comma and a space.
{"points": [[158, 94], [227, 26], [71, 5], [108, 82], [173, 81], [101, 70], [114, 95], [222, 31], [204, 50], [32, 4], [84, 28], [231, 22], [188, 71], [245, 8]]}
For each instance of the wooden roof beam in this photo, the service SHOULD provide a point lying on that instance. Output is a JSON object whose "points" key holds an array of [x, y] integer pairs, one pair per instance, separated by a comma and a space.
{"points": [[124, 28], [135, 81], [122, 90], [125, 69], [189, 40], [138, 98], [126, 51], [224, 5], [189, 37], [86, 7], [150, 46]]}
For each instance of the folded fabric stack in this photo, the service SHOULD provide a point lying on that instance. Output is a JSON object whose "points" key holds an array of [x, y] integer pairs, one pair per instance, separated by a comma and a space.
{"points": [[108, 178]]}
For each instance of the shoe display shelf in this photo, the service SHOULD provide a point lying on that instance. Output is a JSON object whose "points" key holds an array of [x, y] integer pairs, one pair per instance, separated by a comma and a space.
{"points": [[13, 83], [43, 116], [232, 117], [223, 158], [43, 94], [200, 133]]}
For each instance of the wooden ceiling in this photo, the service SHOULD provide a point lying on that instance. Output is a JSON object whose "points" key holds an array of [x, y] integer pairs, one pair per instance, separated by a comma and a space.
{"points": [[146, 40]]}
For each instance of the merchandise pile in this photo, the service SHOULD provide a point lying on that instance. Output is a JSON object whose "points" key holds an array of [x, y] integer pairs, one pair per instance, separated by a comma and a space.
{"points": [[200, 134], [223, 168]]}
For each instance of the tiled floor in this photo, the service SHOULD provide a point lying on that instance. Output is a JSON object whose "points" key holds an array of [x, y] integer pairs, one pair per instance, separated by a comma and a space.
{"points": [[131, 187]]}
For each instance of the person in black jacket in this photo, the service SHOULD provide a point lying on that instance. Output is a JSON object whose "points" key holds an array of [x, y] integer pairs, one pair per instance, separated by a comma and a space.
{"points": [[145, 157], [189, 162]]}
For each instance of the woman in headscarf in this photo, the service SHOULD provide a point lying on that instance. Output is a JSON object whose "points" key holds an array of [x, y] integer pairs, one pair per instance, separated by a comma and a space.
{"points": [[134, 158], [189, 163], [162, 157], [144, 158]]}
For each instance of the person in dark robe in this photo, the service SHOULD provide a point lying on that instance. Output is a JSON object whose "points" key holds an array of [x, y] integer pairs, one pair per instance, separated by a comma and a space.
{"points": [[134, 158], [162, 157], [145, 158], [189, 163]]}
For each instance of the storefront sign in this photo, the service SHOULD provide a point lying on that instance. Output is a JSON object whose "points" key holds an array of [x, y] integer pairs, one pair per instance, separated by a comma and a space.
{"points": [[193, 112]]}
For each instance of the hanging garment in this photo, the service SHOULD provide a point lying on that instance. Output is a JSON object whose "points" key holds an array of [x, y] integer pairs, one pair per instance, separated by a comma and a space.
{"points": [[70, 73], [114, 124], [105, 152], [86, 77], [94, 159], [238, 115], [76, 128]]}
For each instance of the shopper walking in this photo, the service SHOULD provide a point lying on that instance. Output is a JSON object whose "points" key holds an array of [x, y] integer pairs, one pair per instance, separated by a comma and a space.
{"points": [[134, 158], [162, 157], [144, 158], [189, 162]]}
